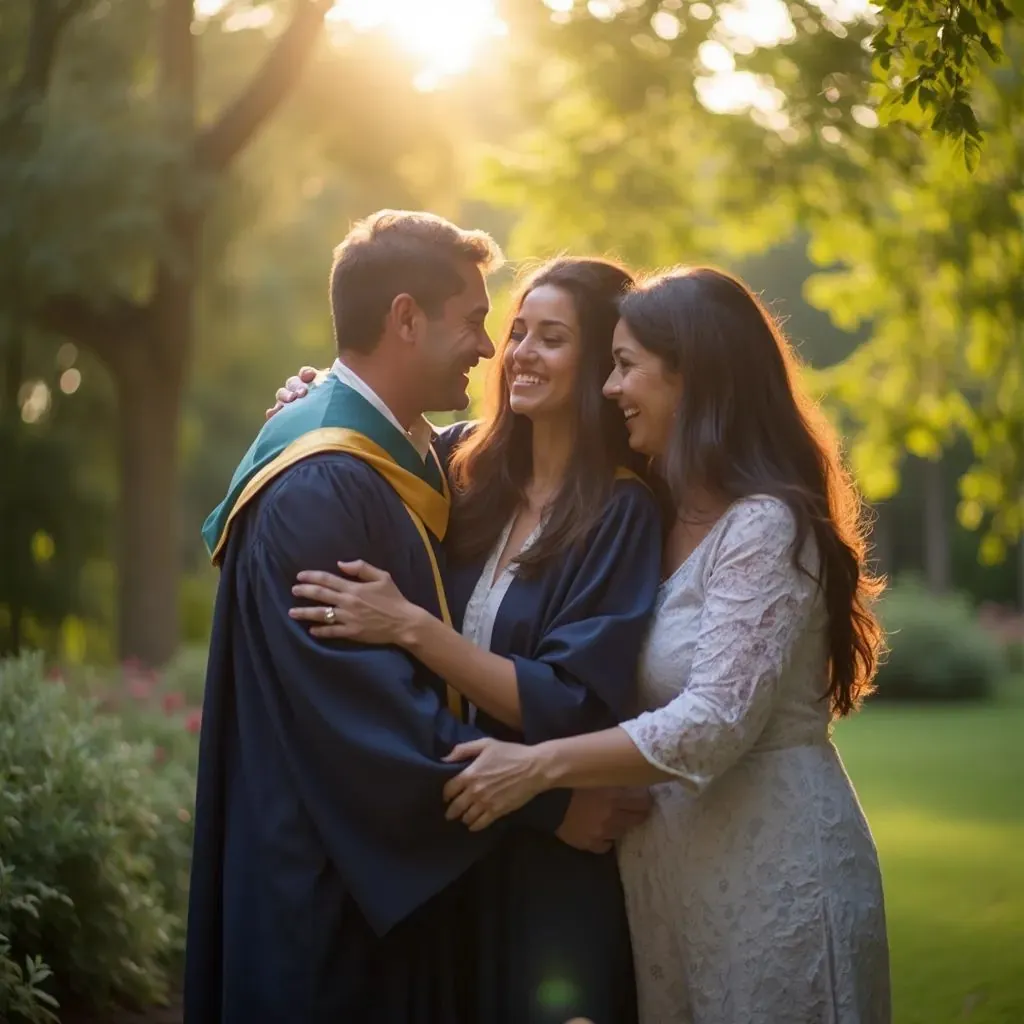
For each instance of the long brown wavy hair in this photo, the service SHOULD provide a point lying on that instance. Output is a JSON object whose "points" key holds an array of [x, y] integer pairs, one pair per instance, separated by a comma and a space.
{"points": [[491, 468], [746, 426]]}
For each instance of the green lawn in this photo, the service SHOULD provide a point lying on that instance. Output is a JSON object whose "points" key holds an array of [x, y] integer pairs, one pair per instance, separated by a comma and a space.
{"points": [[943, 788]]}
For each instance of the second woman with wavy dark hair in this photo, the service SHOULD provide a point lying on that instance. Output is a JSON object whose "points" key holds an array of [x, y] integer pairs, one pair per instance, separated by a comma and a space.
{"points": [[754, 889]]}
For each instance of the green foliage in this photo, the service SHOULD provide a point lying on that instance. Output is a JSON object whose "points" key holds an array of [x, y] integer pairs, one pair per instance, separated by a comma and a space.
{"points": [[96, 827], [938, 650], [933, 258], [919, 258], [84, 175], [63, 165], [186, 674], [930, 53], [55, 500], [906, 544], [618, 154], [90, 163], [23, 996]]}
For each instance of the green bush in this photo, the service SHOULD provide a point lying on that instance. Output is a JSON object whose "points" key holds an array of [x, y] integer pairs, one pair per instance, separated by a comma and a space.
{"points": [[22, 995], [938, 650], [95, 833], [1006, 624]]}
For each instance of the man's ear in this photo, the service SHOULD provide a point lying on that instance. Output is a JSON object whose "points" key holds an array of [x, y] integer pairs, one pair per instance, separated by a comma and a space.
{"points": [[406, 317]]}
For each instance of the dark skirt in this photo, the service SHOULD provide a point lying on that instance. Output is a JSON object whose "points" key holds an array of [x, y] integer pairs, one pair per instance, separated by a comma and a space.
{"points": [[552, 938]]}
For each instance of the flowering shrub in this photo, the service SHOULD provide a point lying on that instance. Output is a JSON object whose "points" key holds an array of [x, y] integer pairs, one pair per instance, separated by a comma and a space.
{"points": [[151, 707], [95, 836]]}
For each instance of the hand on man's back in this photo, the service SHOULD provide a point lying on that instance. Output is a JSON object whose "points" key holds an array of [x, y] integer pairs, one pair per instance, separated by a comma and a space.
{"points": [[596, 818]]}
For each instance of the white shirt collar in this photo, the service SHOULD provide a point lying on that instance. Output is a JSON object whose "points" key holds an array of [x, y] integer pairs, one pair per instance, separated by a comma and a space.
{"points": [[420, 434]]}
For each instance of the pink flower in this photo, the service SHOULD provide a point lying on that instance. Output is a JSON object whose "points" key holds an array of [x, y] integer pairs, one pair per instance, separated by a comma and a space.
{"points": [[139, 688], [193, 720], [173, 701]]}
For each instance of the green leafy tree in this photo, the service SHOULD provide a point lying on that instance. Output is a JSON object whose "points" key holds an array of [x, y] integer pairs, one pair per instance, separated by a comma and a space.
{"points": [[96, 207], [109, 197], [635, 148], [55, 498], [932, 52], [47, 514], [934, 260]]}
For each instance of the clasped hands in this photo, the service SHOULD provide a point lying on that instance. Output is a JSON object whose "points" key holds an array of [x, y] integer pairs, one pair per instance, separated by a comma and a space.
{"points": [[597, 818], [502, 777]]}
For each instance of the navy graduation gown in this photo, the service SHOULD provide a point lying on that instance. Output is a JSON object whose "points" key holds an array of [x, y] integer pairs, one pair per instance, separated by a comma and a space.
{"points": [[552, 918], [324, 879]]}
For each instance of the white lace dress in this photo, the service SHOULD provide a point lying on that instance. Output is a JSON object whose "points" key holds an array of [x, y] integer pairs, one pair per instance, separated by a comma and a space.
{"points": [[753, 890]]}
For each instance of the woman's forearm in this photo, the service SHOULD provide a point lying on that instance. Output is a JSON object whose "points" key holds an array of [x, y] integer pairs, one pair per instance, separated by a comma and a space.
{"points": [[594, 760], [487, 680]]}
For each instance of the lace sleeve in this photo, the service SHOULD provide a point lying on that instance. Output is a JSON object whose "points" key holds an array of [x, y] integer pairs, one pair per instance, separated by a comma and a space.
{"points": [[756, 605]]}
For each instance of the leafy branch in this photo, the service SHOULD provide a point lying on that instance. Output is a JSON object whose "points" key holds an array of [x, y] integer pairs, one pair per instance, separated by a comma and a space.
{"points": [[928, 56]]}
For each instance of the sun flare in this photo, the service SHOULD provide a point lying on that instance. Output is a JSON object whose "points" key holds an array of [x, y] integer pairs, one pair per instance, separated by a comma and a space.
{"points": [[443, 37]]}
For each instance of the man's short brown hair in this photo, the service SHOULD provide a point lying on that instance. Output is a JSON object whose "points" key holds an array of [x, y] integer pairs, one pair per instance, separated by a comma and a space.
{"points": [[395, 252]]}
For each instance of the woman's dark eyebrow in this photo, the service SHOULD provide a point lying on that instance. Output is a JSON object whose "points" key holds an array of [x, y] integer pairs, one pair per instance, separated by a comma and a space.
{"points": [[544, 323]]}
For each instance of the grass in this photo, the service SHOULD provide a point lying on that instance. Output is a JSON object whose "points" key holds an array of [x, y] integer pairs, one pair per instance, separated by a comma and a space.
{"points": [[943, 788]]}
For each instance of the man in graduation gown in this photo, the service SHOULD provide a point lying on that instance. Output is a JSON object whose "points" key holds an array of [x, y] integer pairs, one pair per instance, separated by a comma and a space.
{"points": [[325, 876]]}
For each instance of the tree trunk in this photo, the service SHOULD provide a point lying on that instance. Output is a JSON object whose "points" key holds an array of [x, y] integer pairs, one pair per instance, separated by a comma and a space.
{"points": [[936, 527], [148, 521], [148, 345], [150, 374], [150, 371]]}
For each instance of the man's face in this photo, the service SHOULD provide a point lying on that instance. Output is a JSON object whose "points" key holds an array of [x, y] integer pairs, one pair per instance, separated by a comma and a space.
{"points": [[453, 343]]}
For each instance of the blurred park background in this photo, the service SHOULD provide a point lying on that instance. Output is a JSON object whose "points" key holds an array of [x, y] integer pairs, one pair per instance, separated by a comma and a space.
{"points": [[173, 178]]}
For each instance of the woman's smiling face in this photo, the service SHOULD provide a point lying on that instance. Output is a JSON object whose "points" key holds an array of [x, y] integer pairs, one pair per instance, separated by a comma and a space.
{"points": [[646, 391], [542, 357]]}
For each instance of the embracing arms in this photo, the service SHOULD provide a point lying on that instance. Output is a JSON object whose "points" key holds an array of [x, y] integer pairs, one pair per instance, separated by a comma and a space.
{"points": [[363, 732], [370, 609], [757, 604], [580, 675]]}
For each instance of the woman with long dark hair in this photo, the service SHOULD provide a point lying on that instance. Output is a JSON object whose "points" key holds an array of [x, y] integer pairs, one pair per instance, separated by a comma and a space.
{"points": [[553, 556], [753, 890]]}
